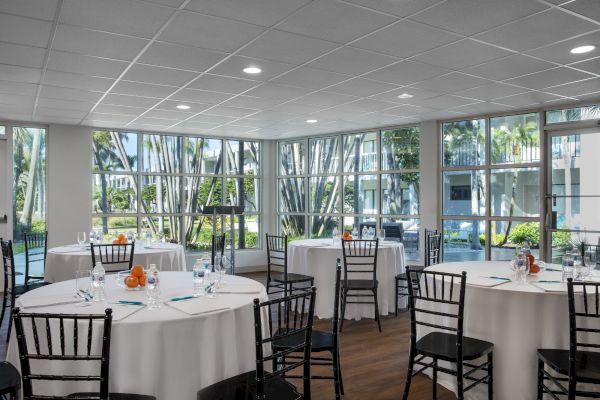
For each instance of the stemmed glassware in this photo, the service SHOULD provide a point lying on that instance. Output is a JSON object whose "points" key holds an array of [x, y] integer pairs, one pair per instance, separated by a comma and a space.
{"points": [[82, 287], [521, 266], [381, 234], [81, 238]]}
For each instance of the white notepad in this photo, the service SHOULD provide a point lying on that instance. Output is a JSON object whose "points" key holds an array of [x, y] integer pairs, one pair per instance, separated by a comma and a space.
{"points": [[199, 305], [485, 281], [234, 288]]}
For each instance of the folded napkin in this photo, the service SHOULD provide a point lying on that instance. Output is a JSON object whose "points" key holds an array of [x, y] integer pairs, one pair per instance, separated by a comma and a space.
{"points": [[485, 281], [234, 288], [35, 300], [198, 305]]}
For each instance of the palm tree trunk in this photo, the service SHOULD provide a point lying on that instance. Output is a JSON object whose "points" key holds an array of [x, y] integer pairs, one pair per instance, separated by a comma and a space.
{"points": [[31, 181]]}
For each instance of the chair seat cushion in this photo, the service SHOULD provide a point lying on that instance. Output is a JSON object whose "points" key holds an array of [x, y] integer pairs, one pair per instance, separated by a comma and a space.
{"points": [[320, 341], [292, 278], [243, 387], [360, 284], [587, 363], [443, 346], [112, 396], [9, 377]]}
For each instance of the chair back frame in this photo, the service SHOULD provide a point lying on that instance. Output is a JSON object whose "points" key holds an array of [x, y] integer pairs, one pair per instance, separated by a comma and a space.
{"points": [[277, 251], [217, 249], [53, 354], [593, 248], [36, 249], [107, 255], [434, 249], [354, 252], [8, 262]]}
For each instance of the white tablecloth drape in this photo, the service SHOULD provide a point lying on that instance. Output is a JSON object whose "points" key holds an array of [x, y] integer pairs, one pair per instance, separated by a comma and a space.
{"points": [[517, 317], [317, 258], [166, 353], [62, 262]]}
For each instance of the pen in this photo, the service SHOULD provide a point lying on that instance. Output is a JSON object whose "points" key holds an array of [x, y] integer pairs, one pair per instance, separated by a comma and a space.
{"points": [[181, 298], [550, 281], [132, 303], [498, 277]]}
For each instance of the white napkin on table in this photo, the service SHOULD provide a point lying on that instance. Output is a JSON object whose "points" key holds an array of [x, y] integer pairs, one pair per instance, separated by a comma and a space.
{"points": [[36, 300], [485, 281], [198, 305], [233, 288]]}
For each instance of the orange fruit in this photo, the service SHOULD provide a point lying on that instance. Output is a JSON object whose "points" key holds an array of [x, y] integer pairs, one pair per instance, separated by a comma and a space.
{"points": [[531, 259], [121, 236], [131, 281], [534, 268], [142, 280], [116, 241], [137, 271]]}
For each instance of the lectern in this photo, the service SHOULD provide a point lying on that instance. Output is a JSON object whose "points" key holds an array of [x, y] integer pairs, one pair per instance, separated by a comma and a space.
{"points": [[232, 211]]}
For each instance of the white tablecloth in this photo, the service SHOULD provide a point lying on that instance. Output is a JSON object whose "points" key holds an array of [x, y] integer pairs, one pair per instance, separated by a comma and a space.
{"points": [[166, 352], [62, 262], [517, 317], [317, 258]]}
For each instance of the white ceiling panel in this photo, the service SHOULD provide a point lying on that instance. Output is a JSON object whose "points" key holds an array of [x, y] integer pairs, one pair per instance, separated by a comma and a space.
{"points": [[234, 66], [76, 81], [217, 83], [27, 31], [401, 8], [159, 75], [234, 112], [537, 30], [86, 65], [66, 104], [170, 105], [23, 56], [405, 39], [406, 72], [560, 52], [325, 99], [352, 61], [211, 119], [121, 119], [362, 87], [551, 77], [365, 105], [332, 20], [419, 95], [259, 103], [30, 8], [509, 67], [128, 101], [118, 110], [19, 74], [95, 43], [528, 99], [491, 91], [576, 89], [452, 82], [143, 89], [200, 96], [453, 55], [253, 123], [208, 32], [15, 100], [469, 17], [447, 101], [592, 65], [295, 108], [482, 108], [278, 92], [181, 57], [311, 78], [20, 88], [169, 114], [587, 8], [56, 92]]}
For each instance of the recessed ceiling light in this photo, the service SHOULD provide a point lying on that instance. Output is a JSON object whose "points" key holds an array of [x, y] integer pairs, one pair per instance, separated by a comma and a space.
{"points": [[583, 49], [252, 70], [182, 107], [311, 121], [405, 96]]}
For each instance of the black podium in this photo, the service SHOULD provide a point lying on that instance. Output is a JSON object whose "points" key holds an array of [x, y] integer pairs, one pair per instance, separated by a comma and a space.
{"points": [[232, 211]]}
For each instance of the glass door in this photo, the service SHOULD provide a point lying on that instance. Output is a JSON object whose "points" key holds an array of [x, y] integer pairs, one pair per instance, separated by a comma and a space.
{"points": [[572, 192]]}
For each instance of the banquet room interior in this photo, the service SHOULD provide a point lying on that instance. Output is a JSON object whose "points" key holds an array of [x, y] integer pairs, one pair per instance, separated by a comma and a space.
{"points": [[296, 199]]}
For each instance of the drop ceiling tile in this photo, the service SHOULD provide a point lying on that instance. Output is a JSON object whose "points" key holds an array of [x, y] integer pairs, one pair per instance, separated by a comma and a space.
{"points": [[200, 96], [273, 116], [235, 112], [406, 110], [128, 101], [287, 47], [19, 114], [86, 65], [23, 56], [30, 8], [509, 67], [98, 123], [142, 89], [118, 110], [405, 39], [195, 127], [446, 101], [361, 87], [159, 75], [208, 32], [325, 99], [401, 8], [21, 88], [56, 92], [251, 102], [224, 84], [452, 82], [587, 8], [443, 114], [96, 43], [537, 30], [19, 74], [113, 118], [234, 66], [68, 105], [310, 78], [48, 119], [576, 89], [330, 20], [527, 99], [591, 97], [406, 72], [170, 105], [295, 108], [364, 106], [491, 91], [253, 123], [461, 54], [27, 31], [551, 77], [127, 17], [181, 57], [170, 114], [76, 81], [278, 92], [469, 17], [419, 95], [211, 119], [352, 61], [482, 108], [591, 65], [15, 100], [561, 52]]}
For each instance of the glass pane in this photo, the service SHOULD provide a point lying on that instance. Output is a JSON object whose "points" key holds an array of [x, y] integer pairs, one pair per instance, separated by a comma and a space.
{"points": [[245, 231], [198, 232], [405, 231], [515, 139], [464, 240], [2, 130], [242, 191], [324, 155], [324, 192], [292, 158], [573, 114], [321, 226], [563, 241], [291, 195], [114, 151], [507, 235], [112, 226], [570, 155], [400, 194], [114, 193], [241, 154], [160, 194], [515, 192], [161, 153], [293, 226], [360, 152], [360, 194], [166, 228], [464, 193], [29, 181], [198, 192], [400, 148], [203, 155], [359, 223], [464, 143]]}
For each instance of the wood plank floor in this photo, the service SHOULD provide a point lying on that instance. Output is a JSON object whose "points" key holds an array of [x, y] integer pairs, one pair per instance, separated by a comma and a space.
{"points": [[373, 363]]}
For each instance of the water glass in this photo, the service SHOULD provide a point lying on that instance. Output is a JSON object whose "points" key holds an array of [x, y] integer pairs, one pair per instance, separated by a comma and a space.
{"points": [[210, 283], [81, 238], [82, 287], [580, 270], [568, 266], [129, 236], [382, 234], [521, 267]]}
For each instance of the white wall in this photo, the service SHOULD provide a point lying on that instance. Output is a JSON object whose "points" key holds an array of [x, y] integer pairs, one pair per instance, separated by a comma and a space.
{"points": [[430, 184]]}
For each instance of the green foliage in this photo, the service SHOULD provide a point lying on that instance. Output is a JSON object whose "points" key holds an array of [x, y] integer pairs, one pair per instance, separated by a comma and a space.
{"points": [[403, 145], [149, 194], [561, 239], [527, 232]]}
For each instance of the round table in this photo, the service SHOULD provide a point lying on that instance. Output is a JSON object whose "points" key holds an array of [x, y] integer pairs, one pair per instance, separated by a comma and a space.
{"points": [[517, 317], [167, 353], [62, 262], [317, 258]]}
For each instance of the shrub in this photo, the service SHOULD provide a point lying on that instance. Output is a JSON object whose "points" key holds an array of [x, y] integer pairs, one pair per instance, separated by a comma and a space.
{"points": [[527, 232], [561, 239]]}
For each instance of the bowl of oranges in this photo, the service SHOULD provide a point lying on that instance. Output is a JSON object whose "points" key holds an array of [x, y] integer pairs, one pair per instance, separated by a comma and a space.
{"points": [[133, 279], [121, 239]]}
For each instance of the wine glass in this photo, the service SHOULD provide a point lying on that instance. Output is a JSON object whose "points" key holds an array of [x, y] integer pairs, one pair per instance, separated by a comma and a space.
{"points": [[382, 234], [81, 238], [210, 283], [82, 287], [225, 265]]}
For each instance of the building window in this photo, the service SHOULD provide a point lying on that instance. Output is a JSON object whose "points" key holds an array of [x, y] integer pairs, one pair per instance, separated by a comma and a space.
{"points": [[459, 193]]}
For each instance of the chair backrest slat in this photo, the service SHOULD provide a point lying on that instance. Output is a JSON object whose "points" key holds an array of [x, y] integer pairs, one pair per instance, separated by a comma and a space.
{"points": [[277, 255], [8, 262], [360, 259], [105, 253], [434, 249], [583, 318]]}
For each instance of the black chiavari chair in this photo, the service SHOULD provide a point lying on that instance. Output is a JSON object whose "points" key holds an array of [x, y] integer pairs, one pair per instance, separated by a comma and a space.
{"points": [[217, 249], [48, 332], [322, 341], [285, 317], [360, 275], [445, 343], [36, 249], [279, 277], [577, 364], [113, 254], [590, 254], [430, 258], [10, 381], [11, 289]]}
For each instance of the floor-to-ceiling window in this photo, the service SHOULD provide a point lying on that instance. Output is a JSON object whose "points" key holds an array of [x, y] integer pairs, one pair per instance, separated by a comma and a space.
{"points": [[159, 183], [352, 180], [490, 186]]}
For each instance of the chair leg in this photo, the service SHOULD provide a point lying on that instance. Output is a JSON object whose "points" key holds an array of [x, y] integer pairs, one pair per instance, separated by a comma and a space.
{"points": [[435, 371], [335, 361], [9, 325], [409, 373], [339, 368], [490, 382], [4, 301], [396, 295], [572, 388], [344, 295], [377, 311], [540, 388], [459, 380]]}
